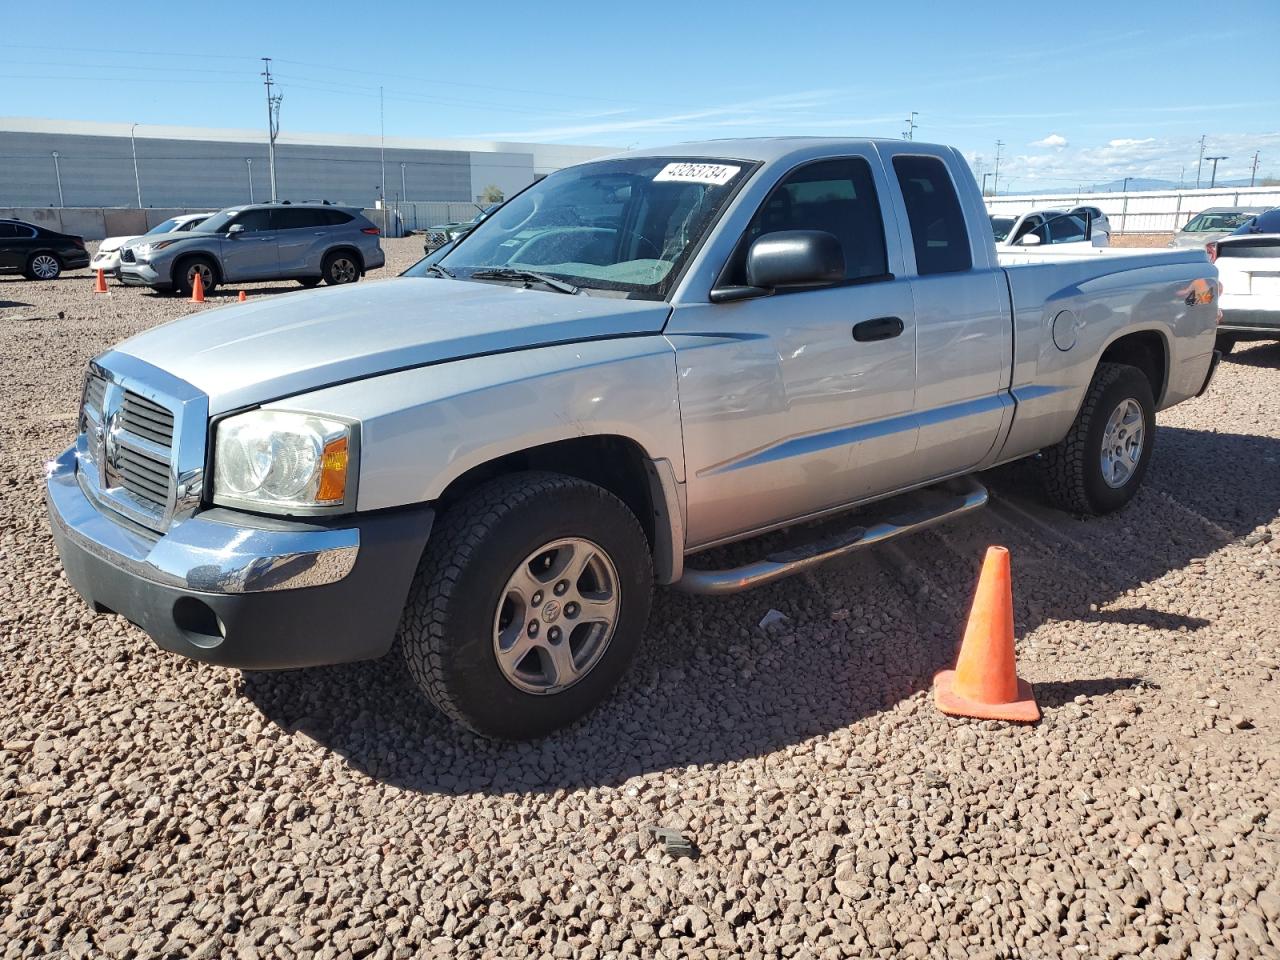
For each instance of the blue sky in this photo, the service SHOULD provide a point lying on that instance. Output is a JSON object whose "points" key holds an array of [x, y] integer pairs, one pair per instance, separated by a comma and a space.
{"points": [[1079, 93]]}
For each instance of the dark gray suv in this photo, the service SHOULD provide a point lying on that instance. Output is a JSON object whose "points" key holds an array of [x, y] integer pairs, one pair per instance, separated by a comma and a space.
{"points": [[307, 242]]}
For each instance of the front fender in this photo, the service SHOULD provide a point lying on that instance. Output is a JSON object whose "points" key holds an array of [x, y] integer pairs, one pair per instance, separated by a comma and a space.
{"points": [[422, 428]]}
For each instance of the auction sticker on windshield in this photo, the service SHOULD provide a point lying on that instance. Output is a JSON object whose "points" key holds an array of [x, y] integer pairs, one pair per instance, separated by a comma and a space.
{"points": [[717, 174]]}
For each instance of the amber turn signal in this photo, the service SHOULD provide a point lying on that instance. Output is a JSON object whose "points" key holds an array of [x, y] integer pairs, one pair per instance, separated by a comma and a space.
{"points": [[333, 472]]}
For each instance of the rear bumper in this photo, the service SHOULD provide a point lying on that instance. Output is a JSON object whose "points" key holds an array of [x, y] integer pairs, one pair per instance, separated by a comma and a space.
{"points": [[75, 261], [239, 590]]}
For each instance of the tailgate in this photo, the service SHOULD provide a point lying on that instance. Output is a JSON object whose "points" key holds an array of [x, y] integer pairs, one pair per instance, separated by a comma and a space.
{"points": [[1250, 266]]}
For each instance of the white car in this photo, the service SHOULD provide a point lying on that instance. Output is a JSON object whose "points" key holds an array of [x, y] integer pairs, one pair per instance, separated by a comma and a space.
{"points": [[1046, 227], [107, 257]]}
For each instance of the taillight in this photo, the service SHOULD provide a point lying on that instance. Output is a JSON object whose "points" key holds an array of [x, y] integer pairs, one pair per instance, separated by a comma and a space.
{"points": [[371, 231], [1212, 249], [77, 241]]}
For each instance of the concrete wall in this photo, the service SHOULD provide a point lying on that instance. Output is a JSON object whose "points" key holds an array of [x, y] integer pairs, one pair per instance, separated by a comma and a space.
{"points": [[97, 223]]}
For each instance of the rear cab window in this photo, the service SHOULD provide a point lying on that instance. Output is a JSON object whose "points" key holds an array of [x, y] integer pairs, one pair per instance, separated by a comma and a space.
{"points": [[939, 232]]}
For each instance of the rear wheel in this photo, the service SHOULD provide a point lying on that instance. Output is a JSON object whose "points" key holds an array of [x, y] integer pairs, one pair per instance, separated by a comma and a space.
{"points": [[43, 266], [340, 267], [185, 275], [529, 604], [1099, 465]]}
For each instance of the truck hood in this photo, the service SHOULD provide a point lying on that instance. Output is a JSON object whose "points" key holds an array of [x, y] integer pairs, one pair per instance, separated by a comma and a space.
{"points": [[288, 344]]}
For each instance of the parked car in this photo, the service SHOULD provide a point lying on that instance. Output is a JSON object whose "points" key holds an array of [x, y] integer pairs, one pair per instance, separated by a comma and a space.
{"points": [[307, 242], [1097, 221], [443, 233], [107, 257], [1045, 228], [1213, 224], [634, 360], [39, 253], [1248, 262]]}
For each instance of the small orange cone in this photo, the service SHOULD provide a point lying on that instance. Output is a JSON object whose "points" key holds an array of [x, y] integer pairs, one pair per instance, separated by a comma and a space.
{"points": [[197, 288], [985, 682], [100, 285], [242, 298]]}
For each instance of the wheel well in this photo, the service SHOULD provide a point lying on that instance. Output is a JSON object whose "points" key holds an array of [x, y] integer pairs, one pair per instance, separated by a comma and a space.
{"points": [[613, 462], [53, 253], [353, 251], [1146, 351], [186, 258]]}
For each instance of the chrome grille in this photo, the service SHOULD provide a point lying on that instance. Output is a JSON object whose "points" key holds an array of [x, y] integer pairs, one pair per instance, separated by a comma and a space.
{"points": [[148, 420]]}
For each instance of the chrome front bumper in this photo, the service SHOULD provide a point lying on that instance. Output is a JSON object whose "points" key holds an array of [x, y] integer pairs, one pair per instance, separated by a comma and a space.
{"points": [[240, 590], [204, 552]]}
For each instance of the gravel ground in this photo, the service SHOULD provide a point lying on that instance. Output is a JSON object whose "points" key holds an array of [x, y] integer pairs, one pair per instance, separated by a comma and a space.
{"points": [[154, 807]]}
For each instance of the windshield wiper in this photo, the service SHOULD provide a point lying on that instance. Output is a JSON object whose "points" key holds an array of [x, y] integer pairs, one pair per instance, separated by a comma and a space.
{"points": [[529, 276], [439, 271]]}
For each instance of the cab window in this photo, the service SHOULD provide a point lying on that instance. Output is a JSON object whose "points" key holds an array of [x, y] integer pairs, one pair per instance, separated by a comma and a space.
{"points": [[837, 196], [938, 228]]}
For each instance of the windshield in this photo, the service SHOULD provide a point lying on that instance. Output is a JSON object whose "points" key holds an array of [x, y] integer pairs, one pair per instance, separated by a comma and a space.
{"points": [[625, 225], [219, 222], [166, 227], [1001, 226], [1268, 222], [1209, 222]]}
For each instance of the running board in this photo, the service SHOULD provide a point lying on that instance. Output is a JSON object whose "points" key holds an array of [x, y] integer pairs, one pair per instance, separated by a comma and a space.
{"points": [[962, 496]]}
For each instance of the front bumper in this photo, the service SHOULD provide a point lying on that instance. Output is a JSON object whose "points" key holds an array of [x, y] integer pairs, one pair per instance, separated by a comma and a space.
{"points": [[241, 590], [140, 275], [108, 263]]}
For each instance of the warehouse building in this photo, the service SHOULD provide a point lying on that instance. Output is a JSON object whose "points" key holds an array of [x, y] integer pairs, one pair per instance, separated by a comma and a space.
{"points": [[67, 163]]}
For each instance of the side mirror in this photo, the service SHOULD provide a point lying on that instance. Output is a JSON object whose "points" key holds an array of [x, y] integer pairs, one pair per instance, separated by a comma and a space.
{"points": [[1030, 240], [235, 228], [795, 258]]}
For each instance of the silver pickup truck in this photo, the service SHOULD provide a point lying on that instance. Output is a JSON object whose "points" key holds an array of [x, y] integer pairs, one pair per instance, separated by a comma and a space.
{"points": [[489, 464]]}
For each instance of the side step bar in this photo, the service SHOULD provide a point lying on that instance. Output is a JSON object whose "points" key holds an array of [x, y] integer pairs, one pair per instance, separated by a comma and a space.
{"points": [[964, 495]]}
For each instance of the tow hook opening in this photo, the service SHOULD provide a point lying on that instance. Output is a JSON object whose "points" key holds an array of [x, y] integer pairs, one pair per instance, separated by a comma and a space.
{"points": [[197, 620]]}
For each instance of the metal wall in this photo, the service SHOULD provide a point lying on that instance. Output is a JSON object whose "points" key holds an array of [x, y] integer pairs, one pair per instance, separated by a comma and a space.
{"points": [[98, 171], [1149, 211]]}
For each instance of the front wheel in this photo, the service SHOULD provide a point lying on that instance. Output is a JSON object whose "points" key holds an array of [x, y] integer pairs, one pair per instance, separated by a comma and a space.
{"points": [[340, 268], [528, 605], [185, 276], [1099, 465]]}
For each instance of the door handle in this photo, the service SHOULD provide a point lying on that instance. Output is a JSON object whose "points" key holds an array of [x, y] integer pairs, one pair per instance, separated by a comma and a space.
{"points": [[881, 328]]}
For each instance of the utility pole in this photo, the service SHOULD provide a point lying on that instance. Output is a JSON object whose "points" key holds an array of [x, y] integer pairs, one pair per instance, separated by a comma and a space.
{"points": [[249, 163], [910, 132], [133, 145], [273, 123], [1213, 180], [995, 179], [984, 182], [1200, 162], [382, 188], [1253, 174], [57, 172], [1125, 187], [404, 194]]}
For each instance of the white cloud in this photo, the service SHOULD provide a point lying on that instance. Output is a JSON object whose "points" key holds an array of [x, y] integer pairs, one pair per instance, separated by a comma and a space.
{"points": [[1054, 140], [1123, 142]]}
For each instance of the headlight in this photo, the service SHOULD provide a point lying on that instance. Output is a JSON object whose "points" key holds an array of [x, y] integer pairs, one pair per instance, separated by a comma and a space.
{"points": [[149, 248], [285, 462]]}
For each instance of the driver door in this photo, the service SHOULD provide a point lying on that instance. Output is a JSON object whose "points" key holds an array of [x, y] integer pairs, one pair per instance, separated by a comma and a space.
{"points": [[251, 254], [801, 401]]}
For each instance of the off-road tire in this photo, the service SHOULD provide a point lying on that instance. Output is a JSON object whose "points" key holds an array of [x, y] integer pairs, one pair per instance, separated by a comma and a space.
{"points": [[1072, 469], [446, 634], [184, 269]]}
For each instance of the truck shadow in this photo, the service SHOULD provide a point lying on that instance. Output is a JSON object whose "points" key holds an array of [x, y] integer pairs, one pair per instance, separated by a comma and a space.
{"points": [[861, 635], [1262, 354]]}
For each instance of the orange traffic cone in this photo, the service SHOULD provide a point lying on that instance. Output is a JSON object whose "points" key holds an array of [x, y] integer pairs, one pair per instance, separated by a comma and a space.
{"points": [[985, 682], [242, 298], [100, 285], [197, 288]]}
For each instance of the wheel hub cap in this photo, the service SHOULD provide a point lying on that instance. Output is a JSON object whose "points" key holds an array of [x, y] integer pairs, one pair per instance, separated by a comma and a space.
{"points": [[556, 616], [1122, 443]]}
